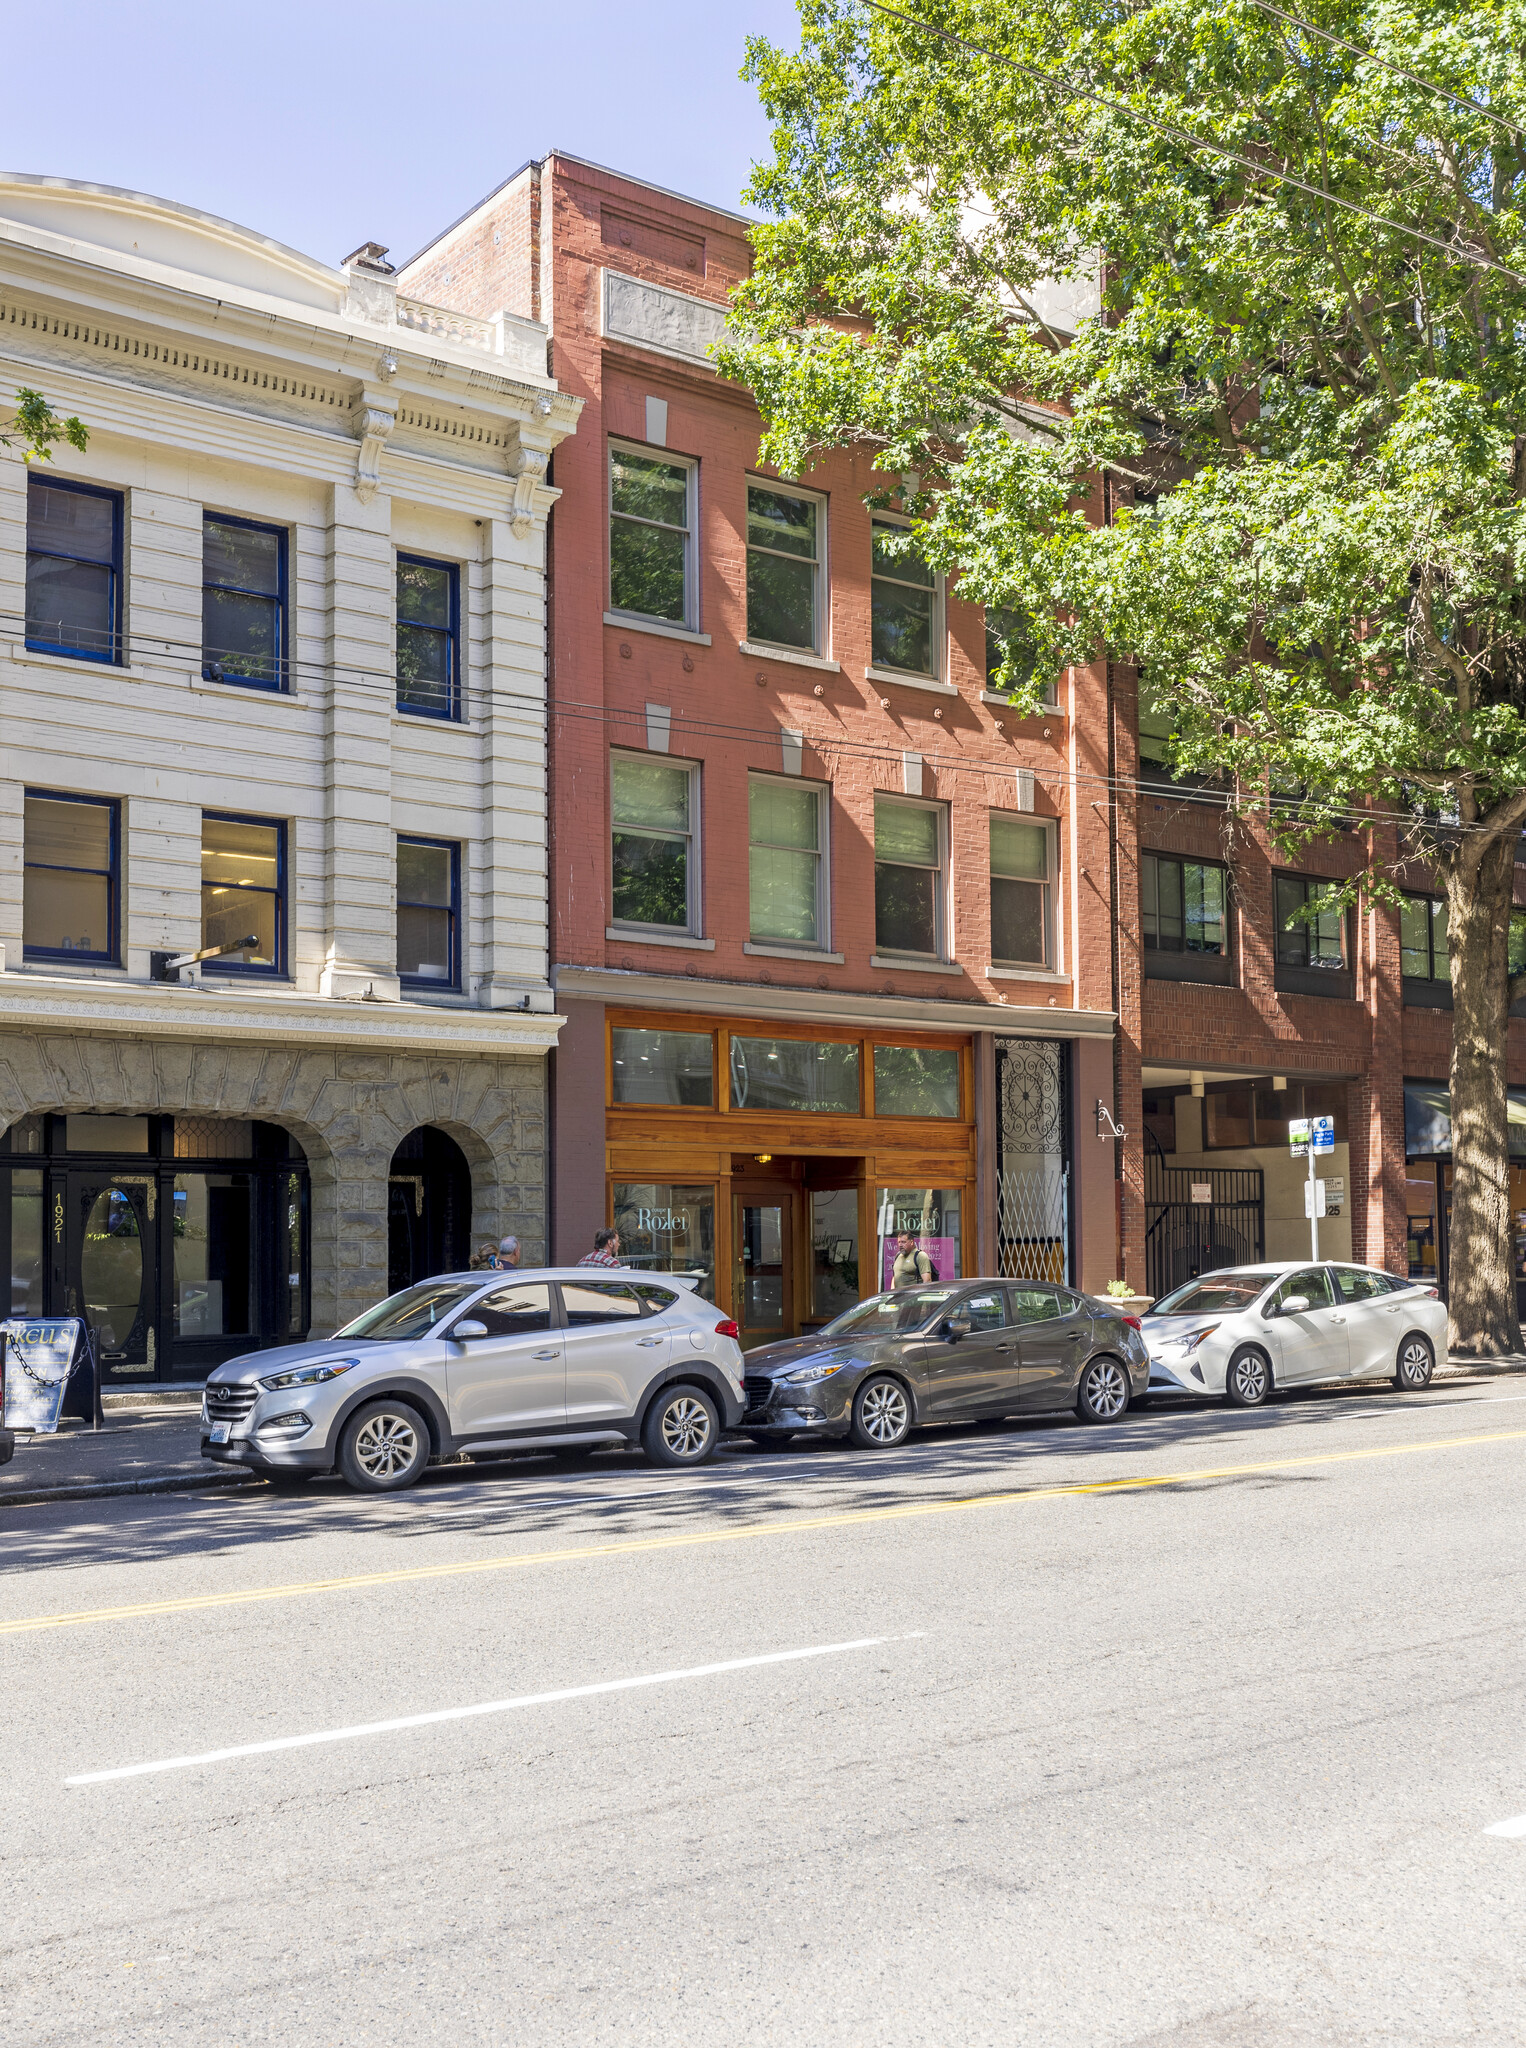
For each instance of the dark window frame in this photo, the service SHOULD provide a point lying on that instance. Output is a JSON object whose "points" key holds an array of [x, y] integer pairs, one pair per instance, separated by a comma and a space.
{"points": [[112, 658], [1167, 964], [1431, 991], [280, 684], [1290, 978], [453, 712], [452, 984], [112, 955], [243, 969]]}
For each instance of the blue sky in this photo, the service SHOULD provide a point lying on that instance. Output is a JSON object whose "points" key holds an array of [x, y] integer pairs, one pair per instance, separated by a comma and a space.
{"points": [[334, 123]]}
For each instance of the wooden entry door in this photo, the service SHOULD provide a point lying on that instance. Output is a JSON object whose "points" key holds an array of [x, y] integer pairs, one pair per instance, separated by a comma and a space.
{"points": [[763, 1262]]}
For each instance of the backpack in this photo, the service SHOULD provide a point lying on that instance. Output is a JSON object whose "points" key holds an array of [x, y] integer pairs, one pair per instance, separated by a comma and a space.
{"points": [[932, 1270]]}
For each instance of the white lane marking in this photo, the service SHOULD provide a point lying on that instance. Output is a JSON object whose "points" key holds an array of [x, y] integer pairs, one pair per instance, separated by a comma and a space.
{"points": [[531, 1699], [1509, 1828]]}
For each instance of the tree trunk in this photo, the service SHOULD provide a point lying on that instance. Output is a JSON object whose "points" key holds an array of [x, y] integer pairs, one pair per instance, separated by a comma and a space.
{"points": [[1481, 1267]]}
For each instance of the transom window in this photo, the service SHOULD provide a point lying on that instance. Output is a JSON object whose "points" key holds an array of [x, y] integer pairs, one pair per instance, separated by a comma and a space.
{"points": [[1021, 909], [428, 913], [673, 1068], [795, 1074], [69, 885], [916, 1080], [243, 892], [428, 637], [651, 521], [785, 878], [908, 877], [784, 568], [905, 600], [652, 806], [73, 569], [243, 602]]}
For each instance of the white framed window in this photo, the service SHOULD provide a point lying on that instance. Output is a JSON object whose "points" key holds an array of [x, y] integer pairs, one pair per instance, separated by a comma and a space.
{"points": [[1022, 890], [910, 877], [654, 843], [1010, 645], [787, 860], [905, 606], [786, 567], [652, 507]]}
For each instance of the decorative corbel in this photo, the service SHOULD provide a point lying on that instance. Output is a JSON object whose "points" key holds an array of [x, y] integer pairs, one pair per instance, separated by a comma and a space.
{"points": [[528, 478], [373, 426]]}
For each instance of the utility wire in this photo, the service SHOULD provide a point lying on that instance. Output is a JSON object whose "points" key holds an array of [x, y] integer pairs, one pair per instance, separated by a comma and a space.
{"points": [[1451, 250], [1399, 70]]}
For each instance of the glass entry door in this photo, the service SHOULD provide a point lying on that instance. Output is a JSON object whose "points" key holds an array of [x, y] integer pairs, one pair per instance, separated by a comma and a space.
{"points": [[112, 1268], [762, 1283]]}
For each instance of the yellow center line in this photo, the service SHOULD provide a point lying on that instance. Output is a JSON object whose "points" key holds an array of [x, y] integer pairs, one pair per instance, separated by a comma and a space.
{"points": [[800, 1525]]}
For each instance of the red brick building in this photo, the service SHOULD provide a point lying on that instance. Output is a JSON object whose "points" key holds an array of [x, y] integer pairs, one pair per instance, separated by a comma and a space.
{"points": [[844, 947]]}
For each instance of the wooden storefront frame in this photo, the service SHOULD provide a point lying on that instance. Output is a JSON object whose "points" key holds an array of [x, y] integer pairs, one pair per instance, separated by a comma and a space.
{"points": [[698, 1146]]}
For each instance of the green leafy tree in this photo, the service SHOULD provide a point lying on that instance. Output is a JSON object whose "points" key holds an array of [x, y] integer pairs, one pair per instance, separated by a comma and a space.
{"points": [[35, 427], [1308, 367]]}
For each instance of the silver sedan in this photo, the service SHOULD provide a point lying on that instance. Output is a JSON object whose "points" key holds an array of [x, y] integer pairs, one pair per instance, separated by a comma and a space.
{"points": [[1246, 1330]]}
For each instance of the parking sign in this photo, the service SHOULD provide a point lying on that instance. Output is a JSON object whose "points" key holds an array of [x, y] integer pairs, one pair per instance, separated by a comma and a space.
{"points": [[1322, 1133]]}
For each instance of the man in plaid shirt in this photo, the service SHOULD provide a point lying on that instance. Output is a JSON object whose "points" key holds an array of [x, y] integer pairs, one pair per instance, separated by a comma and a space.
{"points": [[606, 1249]]}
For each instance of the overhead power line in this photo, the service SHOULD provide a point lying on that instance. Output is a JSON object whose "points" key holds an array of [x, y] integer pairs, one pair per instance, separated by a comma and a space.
{"points": [[1326, 35], [1086, 90]]}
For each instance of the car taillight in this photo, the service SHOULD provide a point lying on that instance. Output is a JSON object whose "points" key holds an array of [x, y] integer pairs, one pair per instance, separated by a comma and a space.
{"points": [[1133, 1322], [727, 1330], [1434, 1293]]}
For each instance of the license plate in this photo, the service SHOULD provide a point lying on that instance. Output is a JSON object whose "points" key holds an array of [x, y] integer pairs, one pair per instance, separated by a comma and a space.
{"points": [[219, 1433]]}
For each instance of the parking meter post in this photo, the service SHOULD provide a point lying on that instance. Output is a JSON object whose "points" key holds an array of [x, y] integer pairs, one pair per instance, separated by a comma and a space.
{"points": [[1313, 1207]]}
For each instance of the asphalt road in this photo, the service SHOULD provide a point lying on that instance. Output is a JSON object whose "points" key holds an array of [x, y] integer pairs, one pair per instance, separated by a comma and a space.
{"points": [[1188, 1730]]}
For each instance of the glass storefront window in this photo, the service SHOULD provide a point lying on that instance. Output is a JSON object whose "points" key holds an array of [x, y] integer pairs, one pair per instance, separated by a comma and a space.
{"points": [[213, 1243], [916, 1080], [667, 1069], [667, 1229], [834, 1250], [929, 1219], [1420, 1204], [26, 1244], [794, 1073]]}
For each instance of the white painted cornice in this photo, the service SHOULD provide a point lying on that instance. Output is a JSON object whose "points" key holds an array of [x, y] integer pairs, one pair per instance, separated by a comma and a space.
{"points": [[35, 1002]]}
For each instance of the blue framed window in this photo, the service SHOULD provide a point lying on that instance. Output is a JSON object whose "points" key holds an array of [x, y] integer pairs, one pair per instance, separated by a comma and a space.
{"points": [[73, 569], [71, 879], [243, 892], [428, 637], [243, 602], [429, 913]]}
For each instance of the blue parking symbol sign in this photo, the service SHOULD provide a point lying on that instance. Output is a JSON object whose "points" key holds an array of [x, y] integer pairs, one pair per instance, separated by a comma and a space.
{"points": [[1322, 1133]]}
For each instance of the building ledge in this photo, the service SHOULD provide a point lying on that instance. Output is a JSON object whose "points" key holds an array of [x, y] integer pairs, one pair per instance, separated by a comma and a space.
{"points": [[1044, 974], [34, 1001], [629, 625], [893, 675], [618, 933], [767, 952], [898, 966], [797, 655]]}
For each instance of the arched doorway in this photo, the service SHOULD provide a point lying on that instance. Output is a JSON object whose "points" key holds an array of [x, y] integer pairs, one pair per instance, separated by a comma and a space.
{"points": [[429, 1208]]}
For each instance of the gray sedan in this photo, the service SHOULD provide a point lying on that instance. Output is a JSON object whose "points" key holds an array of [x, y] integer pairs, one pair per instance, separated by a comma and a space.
{"points": [[953, 1352]]}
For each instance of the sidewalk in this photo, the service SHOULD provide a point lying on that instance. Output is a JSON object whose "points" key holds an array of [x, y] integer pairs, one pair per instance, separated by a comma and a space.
{"points": [[142, 1452]]}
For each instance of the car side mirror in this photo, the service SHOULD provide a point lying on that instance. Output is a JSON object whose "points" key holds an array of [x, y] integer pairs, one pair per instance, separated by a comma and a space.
{"points": [[469, 1328], [955, 1327], [1295, 1305]]}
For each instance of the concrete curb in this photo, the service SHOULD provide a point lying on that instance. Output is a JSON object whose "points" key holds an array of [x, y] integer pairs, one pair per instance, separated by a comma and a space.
{"points": [[107, 1489]]}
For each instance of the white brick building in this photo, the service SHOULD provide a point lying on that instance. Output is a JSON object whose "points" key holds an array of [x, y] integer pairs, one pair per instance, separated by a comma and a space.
{"points": [[271, 648]]}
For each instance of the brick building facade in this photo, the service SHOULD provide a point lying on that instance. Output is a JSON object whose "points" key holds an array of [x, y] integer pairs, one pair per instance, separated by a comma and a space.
{"points": [[1180, 990]]}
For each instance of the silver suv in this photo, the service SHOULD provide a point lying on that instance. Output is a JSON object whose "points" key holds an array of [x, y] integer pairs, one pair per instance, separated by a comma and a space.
{"points": [[565, 1358]]}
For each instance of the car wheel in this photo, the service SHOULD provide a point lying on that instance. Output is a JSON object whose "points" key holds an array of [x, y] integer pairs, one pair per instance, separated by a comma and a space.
{"points": [[1103, 1395], [1415, 1364], [881, 1415], [384, 1448], [1248, 1382], [682, 1427]]}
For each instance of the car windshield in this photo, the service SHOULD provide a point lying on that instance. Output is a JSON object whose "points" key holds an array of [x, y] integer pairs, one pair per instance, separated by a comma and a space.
{"points": [[890, 1315], [413, 1313], [1216, 1294]]}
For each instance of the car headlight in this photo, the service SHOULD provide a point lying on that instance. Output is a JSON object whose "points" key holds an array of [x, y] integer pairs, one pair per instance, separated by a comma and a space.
{"points": [[310, 1375], [1191, 1341], [808, 1375]]}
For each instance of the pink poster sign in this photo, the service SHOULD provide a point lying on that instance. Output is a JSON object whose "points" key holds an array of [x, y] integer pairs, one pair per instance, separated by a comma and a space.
{"points": [[939, 1249]]}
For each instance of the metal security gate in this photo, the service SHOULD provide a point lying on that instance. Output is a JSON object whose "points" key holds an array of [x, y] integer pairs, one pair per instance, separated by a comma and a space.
{"points": [[1198, 1218], [1032, 1159]]}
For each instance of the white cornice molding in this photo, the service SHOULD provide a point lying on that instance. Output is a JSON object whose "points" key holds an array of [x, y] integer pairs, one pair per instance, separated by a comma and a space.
{"points": [[46, 1003]]}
